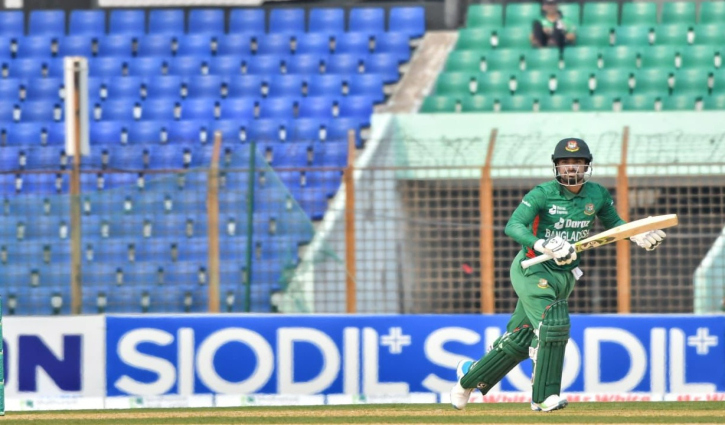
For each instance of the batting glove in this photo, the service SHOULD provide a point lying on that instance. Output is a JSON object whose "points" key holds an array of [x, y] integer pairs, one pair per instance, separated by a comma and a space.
{"points": [[561, 251], [649, 240]]}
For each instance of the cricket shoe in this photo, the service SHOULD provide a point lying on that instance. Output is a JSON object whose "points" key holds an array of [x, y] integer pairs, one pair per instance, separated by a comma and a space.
{"points": [[553, 402], [460, 395]]}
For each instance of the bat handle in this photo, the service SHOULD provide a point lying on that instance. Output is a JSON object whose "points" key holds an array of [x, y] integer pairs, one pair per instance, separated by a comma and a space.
{"points": [[536, 260]]}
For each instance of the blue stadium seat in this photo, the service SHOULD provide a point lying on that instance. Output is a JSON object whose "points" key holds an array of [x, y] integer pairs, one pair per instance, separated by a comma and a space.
{"points": [[38, 46], [313, 43], [312, 203], [191, 130], [163, 86], [188, 66], [120, 45], [124, 180], [367, 19], [9, 111], [55, 132], [87, 22], [246, 85], [12, 23], [265, 65], [6, 44], [247, 21], [206, 21], [306, 64], [226, 65], [238, 108], [274, 44], [317, 107], [120, 110], [327, 20], [10, 89], [290, 155], [108, 132], [146, 132], [235, 45], [232, 130], [47, 89], [47, 22], [127, 22], [166, 21], [286, 85], [8, 162], [324, 85], [156, 45], [278, 107], [370, 85], [107, 67], [75, 45], [394, 43], [308, 130], [268, 130], [330, 154], [126, 157], [54, 68], [353, 43], [358, 107], [339, 128], [146, 67], [172, 156], [385, 64], [26, 133], [410, 20], [41, 111], [123, 87], [41, 183], [204, 86], [287, 21], [326, 182], [195, 45], [26, 68], [163, 109], [199, 109], [345, 64]]}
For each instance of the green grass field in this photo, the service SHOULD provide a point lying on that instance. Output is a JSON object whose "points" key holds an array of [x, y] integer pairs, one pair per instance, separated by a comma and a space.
{"points": [[680, 413]]}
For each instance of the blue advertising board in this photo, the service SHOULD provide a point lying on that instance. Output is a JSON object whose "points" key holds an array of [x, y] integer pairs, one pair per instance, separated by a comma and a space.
{"points": [[392, 354]]}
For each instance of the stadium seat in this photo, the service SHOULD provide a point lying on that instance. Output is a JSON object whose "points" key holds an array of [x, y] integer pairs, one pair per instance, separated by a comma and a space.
{"points": [[313, 43], [384, 64], [471, 61], [199, 109], [6, 46], [594, 35], [639, 13], [458, 83], [75, 45], [708, 34], [327, 20], [325, 85], [195, 45], [366, 19], [35, 47], [408, 20], [268, 130], [206, 21], [396, 43], [156, 45], [246, 85], [146, 132], [640, 102], [234, 45], [108, 132], [41, 111], [306, 131], [358, 107], [678, 12], [286, 85], [245, 20], [87, 22], [691, 82], [474, 39], [233, 131], [574, 82], [495, 83], [238, 108], [671, 35], [9, 111], [476, 103], [571, 11], [698, 57], [12, 23], [162, 109], [120, 45], [188, 66], [205, 86], [317, 107], [504, 60], [120, 110], [613, 82], [679, 103], [600, 13], [346, 64], [353, 43], [555, 103], [484, 15], [46, 89], [620, 57], [634, 35], [370, 85], [307, 64], [714, 102], [278, 108], [586, 57], [652, 81], [131, 22], [712, 12], [10, 89], [522, 14], [542, 60], [23, 134], [287, 21], [166, 21], [227, 66], [513, 37], [531, 83], [274, 44], [265, 65], [598, 103], [518, 103], [47, 23], [658, 57], [163, 86]]}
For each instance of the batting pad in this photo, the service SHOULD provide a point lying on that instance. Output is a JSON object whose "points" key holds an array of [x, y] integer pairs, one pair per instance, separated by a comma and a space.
{"points": [[509, 350], [548, 356]]}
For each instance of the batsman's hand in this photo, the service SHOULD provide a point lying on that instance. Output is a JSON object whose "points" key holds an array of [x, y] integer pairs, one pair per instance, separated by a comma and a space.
{"points": [[561, 251], [649, 240]]}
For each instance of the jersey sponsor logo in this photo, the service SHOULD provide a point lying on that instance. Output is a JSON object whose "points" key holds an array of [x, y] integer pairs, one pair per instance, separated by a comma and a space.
{"points": [[589, 209], [523, 201], [566, 234], [543, 284], [577, 224], [560, 224], [572, 146], [557, 210]]}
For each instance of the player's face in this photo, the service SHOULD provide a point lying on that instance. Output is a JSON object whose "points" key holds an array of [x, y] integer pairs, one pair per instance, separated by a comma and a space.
{"points": [[571, 170]]}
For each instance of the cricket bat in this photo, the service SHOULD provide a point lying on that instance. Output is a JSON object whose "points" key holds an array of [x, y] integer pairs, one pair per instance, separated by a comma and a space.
{"points": [[614, 234]]}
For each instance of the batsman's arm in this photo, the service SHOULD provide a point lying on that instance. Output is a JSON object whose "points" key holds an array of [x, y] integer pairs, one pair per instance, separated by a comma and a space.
{"points": [[607, 213], [519, 225]]}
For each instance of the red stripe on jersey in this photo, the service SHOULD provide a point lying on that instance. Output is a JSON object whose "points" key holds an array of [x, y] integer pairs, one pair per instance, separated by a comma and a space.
{"points": [[530, 253]]}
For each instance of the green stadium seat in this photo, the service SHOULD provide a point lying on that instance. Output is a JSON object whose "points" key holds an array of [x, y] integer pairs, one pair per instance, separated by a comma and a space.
{"points": [[556, 103], [653, 81], [679, 103], [639, 13], [522, 14], [534, 83], [513, 37], [600, 13], [571, 11], [599, 103], [440, 104], [484, 15], [576, 82], [494, 83], [594, 35], [709, 34], [542, 60], [639, 102], [454, 83], [718, 82], [613, 82], [477, 103], [518, 103], [465, 61], [474, 39], [634, 35], [714, 102], [503, 60], [585, 57], [620, 57], [692, 82], [698, 57], [712, 12], [672, 34], [658, 57], [678, 12]]}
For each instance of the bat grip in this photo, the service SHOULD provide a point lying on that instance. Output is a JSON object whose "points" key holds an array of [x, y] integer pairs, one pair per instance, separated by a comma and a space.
{"points": [[536, 260]]}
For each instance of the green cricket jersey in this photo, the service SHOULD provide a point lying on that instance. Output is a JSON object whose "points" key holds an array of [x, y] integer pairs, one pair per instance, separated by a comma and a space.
{"points": [[550, 210], [548, 26]]}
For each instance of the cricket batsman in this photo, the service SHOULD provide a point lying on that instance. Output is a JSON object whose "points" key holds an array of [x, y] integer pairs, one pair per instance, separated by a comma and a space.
{"points": [[550, 218]]}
